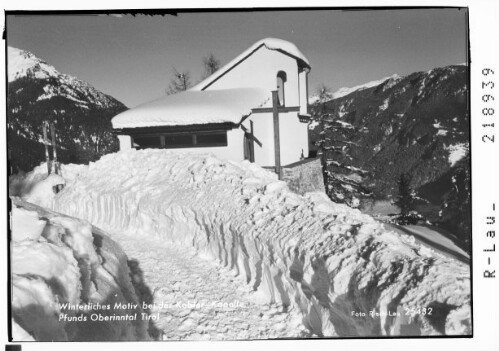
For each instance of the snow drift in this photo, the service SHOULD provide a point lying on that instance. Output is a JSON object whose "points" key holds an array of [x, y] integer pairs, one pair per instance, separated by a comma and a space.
{"points": [[58, 262], [346, 273]]}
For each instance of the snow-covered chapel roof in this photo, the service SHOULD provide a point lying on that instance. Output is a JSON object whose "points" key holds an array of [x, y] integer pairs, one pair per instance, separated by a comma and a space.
{"points": [[269, 43], [194, 107], [200, 106]]}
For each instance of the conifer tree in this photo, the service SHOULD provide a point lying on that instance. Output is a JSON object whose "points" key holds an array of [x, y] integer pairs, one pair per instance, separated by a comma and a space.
{"points": [[405, 199], [333, 148], [455, 212]]}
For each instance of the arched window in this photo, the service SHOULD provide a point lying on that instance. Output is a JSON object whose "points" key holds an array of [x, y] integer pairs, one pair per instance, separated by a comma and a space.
{"points": [[281, 80]]}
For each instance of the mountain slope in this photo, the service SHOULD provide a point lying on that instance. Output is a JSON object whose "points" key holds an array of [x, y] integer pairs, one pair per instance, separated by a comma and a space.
{"points": [[418, 124], [81, 114], [346, 90]]}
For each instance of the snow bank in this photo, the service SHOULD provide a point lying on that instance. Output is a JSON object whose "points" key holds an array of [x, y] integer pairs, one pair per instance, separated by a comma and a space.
{"points": [[58, 262], [37, 184], [344, 271]]}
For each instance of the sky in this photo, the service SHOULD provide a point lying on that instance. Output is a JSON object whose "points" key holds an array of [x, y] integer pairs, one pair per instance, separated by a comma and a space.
{"points": [[132, 58]]}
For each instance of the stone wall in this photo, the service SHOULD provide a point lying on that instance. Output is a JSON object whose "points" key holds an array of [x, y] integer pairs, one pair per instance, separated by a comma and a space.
{"points": [[304, 176]]}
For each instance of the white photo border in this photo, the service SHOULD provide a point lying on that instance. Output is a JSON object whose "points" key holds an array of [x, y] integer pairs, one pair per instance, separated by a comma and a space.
{"points": [[484, 48]]}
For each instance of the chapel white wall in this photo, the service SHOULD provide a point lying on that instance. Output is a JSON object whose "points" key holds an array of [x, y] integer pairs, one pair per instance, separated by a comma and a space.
{"points": [[293, 138], [260, 70], [125, 142]]}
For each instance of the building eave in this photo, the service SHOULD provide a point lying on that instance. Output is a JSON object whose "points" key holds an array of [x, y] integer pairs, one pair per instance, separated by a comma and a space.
{"points": [[175, 128]]}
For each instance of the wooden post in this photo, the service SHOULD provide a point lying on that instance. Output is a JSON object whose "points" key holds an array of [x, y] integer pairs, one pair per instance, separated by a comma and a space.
{"points": [[252, 144], [277, 142], [54, 148], [46, 142]]}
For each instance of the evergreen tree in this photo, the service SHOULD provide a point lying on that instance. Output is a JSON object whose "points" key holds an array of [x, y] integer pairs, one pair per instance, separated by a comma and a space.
{"points": [[342, 179], [405, 199], [455, 213], [84, 133], [323, 93], [181, 81]]}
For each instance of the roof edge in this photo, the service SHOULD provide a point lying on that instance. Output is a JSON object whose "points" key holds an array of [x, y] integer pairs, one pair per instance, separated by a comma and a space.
{"points": [[267, 43]]}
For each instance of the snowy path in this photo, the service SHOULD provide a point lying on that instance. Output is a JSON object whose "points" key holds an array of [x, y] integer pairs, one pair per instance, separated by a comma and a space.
{"points": [[176, 276]]}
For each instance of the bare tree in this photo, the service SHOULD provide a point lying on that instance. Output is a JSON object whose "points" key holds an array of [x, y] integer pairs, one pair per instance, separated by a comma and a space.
{"points": [[323, 93], [181, 81], [211, 64]]}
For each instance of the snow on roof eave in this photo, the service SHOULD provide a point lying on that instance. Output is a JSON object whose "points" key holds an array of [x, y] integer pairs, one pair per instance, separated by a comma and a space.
{"points": [[280, 45], [194, 108]]}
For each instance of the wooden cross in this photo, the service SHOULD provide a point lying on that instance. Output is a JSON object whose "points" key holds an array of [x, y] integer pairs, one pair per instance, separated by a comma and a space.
{"points": [[275, 109]]}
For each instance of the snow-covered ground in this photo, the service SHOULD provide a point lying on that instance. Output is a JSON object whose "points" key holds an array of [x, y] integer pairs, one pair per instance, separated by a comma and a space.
{"points": [[195, 299], [435, 238], [457, 152], [58, 262], [432, 237], [191, 297], [301, 260]]}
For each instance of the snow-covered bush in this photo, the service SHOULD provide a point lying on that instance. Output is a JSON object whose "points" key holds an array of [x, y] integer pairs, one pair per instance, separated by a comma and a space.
{"points": [[27, 185]]}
